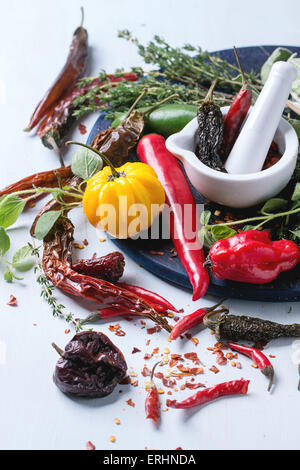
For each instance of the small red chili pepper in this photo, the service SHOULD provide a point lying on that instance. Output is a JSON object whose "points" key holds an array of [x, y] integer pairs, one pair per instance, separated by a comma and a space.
{"points": [[152, 150], [152, 403], [235, 387], [259, 358], [252, 257], [151, 297], [236, 114], [189, 321]]}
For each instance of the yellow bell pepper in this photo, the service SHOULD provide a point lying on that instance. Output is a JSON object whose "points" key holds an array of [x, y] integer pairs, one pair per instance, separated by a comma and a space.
{"points": [[124, 203]]}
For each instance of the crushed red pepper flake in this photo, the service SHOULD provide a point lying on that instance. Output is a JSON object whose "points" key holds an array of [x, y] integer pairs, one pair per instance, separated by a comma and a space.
{"points": [[134, 383], [90, 446], [120, 333], [135, 350], [130, 402], [12, 301], [169, 383], [190, 370], [173, 363], [82, 129], [155, 351], [85, 242], [159, 253], [146, 372], [214, 369], [192, 356], [115, 327], [147, 356], [67, 331], [177, 357], [272, 356], [155, 329], [238, 365], [148, 342]]}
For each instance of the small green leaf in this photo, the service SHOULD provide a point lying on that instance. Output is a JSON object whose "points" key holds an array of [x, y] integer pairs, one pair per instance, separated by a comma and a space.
{"points": [[8, 277], [281, 53], [296, 193], [274, 205], [45, 223], [85, 163], [296, 233], [23, 259], [220, 232], [10, 209], [205, 217], [4, 241], [205, 238]]}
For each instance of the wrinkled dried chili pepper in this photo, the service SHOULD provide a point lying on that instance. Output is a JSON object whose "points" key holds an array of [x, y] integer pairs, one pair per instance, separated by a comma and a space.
{"points": [[116, 143], [243, 328], [193, 319], [259, 358], [152, 403], [109, 267], [72, 71], [235, 387], [210, 131], [91, 366]]}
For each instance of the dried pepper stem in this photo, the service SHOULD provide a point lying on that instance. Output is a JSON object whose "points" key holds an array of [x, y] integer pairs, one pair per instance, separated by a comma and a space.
{"points": [[57, 348]]}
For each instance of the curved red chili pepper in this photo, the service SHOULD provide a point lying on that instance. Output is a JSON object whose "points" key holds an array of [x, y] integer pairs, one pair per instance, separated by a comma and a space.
{"points": [[151, 297], [152, 150], [259, 358], [235, 387]]}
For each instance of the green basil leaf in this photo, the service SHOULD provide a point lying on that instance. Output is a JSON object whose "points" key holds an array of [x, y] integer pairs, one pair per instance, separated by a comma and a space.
{"points": [[205, 217], [274, 205], [220, 232], [8, 277], [85, 163], [296, 193], [281, 53], [4, 241], [23, 259], [10, 209], [45, 223]]}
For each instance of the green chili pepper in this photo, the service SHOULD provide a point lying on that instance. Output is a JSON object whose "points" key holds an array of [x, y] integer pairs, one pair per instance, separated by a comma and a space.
{"points": [[165, 120]]}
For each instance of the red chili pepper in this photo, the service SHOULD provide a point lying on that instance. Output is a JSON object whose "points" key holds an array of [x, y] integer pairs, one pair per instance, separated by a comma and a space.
{"points": [[152, 404], [189, 321], [236, 114], [152, 150], [252, 257], [151, 297], [74, 69], [235, 387], [259, 358]]}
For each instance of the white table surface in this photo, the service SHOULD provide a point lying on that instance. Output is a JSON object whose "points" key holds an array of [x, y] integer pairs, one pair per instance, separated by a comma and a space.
{"points": [[34, 414]]}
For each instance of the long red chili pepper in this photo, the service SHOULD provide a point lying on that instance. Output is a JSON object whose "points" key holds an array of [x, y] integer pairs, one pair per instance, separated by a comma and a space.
{"points": [[236, 114], [152, 404], [72, 71], [151, 297], [259, 358], [235, 387], [152, 150], [193, 319]]}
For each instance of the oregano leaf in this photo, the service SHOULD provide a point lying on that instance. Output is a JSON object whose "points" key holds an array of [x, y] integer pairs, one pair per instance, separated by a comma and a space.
{"points": [[45, 223]]}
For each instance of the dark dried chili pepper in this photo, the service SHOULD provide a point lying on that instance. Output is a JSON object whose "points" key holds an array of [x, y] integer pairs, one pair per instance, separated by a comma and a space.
{"points": [[116, 143], [210, 131], [72, 71], [91, 366], [259, 358], [235, 387], [243, 328], [152, 403], [109, 267], [193, 319]]}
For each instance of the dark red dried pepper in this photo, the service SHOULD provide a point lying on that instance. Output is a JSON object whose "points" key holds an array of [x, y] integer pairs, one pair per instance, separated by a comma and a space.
{"points": [[108, 268], [259, 358], [152, 150], [235, 387]]}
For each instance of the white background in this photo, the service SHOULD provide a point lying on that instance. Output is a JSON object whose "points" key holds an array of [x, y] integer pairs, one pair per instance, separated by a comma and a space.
{"points": [[34, 37]]}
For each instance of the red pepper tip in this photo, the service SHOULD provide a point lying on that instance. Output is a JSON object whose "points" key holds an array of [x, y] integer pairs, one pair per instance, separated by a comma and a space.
{"points": [[245, 387]]}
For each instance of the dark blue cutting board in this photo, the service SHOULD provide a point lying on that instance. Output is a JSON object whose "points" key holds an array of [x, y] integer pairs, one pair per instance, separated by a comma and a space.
{"points": [[285, 288]]}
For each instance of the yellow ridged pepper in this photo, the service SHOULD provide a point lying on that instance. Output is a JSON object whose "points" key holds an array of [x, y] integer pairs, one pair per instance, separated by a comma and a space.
{"points": [[125, 202]]}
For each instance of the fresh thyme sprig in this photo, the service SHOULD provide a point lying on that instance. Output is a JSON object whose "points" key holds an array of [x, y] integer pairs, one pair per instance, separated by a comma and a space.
{"points": [[58, 310]]}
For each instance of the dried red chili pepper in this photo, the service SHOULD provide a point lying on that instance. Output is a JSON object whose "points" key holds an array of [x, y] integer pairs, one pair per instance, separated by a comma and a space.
{"points": [[72, 71], [259, 358], [152, 403], [149, 296], [236, 114], [152, 150], [109, 267], [91, 366], [252, 257], [235, 387], [193, 319]]}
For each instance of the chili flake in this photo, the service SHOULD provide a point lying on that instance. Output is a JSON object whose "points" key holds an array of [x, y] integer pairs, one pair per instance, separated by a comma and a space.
{"points": [[12, 301], [90, 446], [130, 402]]}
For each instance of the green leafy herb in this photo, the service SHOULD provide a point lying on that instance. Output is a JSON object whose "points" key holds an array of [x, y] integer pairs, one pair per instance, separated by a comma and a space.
{"points": [[220, 232], [296, 193], [281, 53], [4, 241], [86, 163], [10, 208], [23, 259], [45, 223], [274, 205]]}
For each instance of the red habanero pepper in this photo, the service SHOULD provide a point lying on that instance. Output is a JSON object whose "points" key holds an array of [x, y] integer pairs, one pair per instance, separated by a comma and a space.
{"points": [[195, 318], [152, 150], [151, 297], [259, 358], [252, 257], [236, 114], [235, 387], [152, 404], [72, 71]]}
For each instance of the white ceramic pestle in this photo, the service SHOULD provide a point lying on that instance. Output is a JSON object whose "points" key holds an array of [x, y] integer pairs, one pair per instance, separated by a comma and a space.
{"points": [[251, 147]]}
